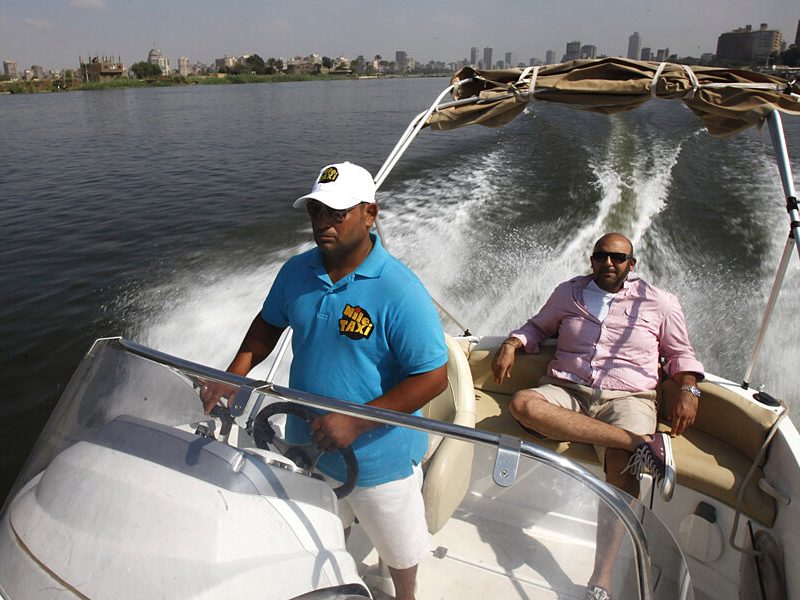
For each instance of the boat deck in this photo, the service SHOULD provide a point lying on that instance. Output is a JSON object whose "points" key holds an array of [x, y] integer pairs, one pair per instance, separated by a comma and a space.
{"points": [[533, 540], [484, 561]]}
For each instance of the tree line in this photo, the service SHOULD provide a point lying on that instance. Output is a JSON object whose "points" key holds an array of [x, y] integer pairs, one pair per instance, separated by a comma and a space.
{"points": [[256, 65]]}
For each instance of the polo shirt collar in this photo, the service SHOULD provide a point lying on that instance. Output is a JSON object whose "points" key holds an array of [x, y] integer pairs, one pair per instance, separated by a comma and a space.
{"points": [[373, 265], [370, 268]]}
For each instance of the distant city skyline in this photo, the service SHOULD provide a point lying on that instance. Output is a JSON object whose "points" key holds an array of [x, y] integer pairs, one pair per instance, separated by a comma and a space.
{"points": [[54, 33]]}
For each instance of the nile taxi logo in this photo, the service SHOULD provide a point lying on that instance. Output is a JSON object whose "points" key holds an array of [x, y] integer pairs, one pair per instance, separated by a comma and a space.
{"points": [[328, 175], [355, 323]]}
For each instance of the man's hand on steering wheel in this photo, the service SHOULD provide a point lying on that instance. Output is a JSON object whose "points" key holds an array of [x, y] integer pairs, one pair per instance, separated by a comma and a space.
{"points": [[305, 455], [334, 430]]}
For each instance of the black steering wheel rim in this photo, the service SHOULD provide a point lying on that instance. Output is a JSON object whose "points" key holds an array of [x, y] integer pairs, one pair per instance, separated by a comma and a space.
{"points": [[264, 434]]}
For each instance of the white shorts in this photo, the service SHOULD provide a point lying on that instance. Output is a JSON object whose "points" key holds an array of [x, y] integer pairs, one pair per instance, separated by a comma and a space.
{"points": [[393, 517]]}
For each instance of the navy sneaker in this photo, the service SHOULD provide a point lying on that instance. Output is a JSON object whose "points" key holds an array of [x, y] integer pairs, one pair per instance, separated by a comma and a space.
{"points": [[655, 456]]}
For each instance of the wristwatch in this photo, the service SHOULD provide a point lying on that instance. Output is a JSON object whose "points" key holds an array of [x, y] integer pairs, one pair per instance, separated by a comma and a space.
{"points": [[692, 389]]}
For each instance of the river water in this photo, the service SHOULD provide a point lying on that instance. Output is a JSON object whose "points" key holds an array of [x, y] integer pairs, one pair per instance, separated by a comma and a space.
{"points": [[163, 215]]}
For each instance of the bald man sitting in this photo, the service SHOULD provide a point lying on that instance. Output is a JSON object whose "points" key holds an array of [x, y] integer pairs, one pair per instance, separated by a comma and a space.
{"points": [[613, 328]]}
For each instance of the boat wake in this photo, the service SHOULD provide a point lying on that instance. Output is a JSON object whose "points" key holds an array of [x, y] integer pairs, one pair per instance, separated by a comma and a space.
{"points": [[203, 316], [490, 238]]}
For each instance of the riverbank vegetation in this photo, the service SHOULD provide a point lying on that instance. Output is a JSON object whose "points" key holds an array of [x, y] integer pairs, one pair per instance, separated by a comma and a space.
{"points": [[63, 85], [249, 69]]}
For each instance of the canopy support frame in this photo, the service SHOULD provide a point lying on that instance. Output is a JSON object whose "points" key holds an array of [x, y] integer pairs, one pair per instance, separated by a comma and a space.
{"points": [[414, 128], [773, 298], [785, 168]]}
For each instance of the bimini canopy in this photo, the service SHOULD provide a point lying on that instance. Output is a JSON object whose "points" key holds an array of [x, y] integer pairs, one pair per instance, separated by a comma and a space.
{"points": [[727, 100]]}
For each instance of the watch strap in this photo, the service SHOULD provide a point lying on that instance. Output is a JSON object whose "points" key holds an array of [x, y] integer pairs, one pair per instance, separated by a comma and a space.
{"points": [[692, 389]]}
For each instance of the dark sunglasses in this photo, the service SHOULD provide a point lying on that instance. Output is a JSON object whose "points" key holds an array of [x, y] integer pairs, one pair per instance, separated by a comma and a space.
{"points": [[337, 215], [616, 257]]}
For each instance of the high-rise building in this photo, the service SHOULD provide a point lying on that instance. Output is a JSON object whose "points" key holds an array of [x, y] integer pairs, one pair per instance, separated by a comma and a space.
{"points": [[473, 56], [647, 53], [183, 66], [634, 44], [573, 50], [487, 58], [766, 42], [797, 35], [550, 57], [746, 44], [511, 59], [10, 69], [154, 57], [37, 71], [401, 60], [588, 51], [662, 54], [225, 61]]}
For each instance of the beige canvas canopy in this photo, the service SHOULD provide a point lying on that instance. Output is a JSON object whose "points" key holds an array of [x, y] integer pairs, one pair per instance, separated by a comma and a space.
{"points": [[727, 100]]}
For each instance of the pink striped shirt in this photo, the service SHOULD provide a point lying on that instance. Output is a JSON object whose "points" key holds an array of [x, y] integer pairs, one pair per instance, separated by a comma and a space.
{"points": [[622, 352]]}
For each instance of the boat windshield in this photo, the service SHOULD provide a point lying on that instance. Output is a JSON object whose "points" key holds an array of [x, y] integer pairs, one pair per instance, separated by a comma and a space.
{"points": [[506, 521]]}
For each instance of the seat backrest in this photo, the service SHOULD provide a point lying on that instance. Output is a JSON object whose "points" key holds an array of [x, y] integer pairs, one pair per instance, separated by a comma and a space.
{"points": [[712, 457], [448, 462], [457, 403]]}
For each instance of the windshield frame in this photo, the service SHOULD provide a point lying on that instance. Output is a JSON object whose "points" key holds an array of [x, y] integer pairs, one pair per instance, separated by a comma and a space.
{"points": [[509, 448]]}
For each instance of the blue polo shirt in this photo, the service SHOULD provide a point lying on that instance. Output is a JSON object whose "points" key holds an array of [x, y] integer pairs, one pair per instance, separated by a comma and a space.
{"points": [[355, 340]]}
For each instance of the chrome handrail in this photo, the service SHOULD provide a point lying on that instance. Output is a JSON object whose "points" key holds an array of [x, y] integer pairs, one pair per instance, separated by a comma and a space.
{"points": [[607, 493]]}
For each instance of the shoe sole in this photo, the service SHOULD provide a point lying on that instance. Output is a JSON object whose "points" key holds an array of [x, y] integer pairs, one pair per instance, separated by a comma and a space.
{"points": [[668, 485]]}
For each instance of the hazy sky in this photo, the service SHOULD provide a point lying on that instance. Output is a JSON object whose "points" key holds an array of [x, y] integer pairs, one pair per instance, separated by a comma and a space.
{"points": [[53, 33]]}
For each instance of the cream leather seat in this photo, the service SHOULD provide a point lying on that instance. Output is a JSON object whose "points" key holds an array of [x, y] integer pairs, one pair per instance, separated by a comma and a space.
{"points": [[448, 462], [711, 457]]}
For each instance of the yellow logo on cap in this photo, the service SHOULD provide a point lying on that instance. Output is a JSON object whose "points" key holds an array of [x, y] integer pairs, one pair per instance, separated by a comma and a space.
{"points": [[328, 175]]}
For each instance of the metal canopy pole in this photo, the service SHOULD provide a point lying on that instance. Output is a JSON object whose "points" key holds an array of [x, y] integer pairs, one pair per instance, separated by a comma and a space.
{"points": [[785, 168], [773, 298], [411, 132]]}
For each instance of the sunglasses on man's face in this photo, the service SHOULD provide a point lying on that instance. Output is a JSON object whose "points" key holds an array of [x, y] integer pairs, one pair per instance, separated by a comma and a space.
{"points": [[337, 215], [616, 257]]}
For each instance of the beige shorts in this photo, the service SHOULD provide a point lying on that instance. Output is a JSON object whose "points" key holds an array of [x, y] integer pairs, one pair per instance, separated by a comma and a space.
{"points": [[392, 515], [633, 411]]}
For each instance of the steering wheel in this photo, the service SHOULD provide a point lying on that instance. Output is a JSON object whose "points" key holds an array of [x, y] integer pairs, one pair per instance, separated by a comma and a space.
{"points": [[303, 455]]}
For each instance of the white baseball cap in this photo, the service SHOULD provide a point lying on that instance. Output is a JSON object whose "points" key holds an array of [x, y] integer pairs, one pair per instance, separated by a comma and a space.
{"points": [[341, 186]]}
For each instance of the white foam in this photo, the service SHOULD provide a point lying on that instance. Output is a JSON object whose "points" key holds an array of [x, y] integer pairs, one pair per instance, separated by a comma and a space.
{"points": [[203, 316], [776, 367], [493, 281]]}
